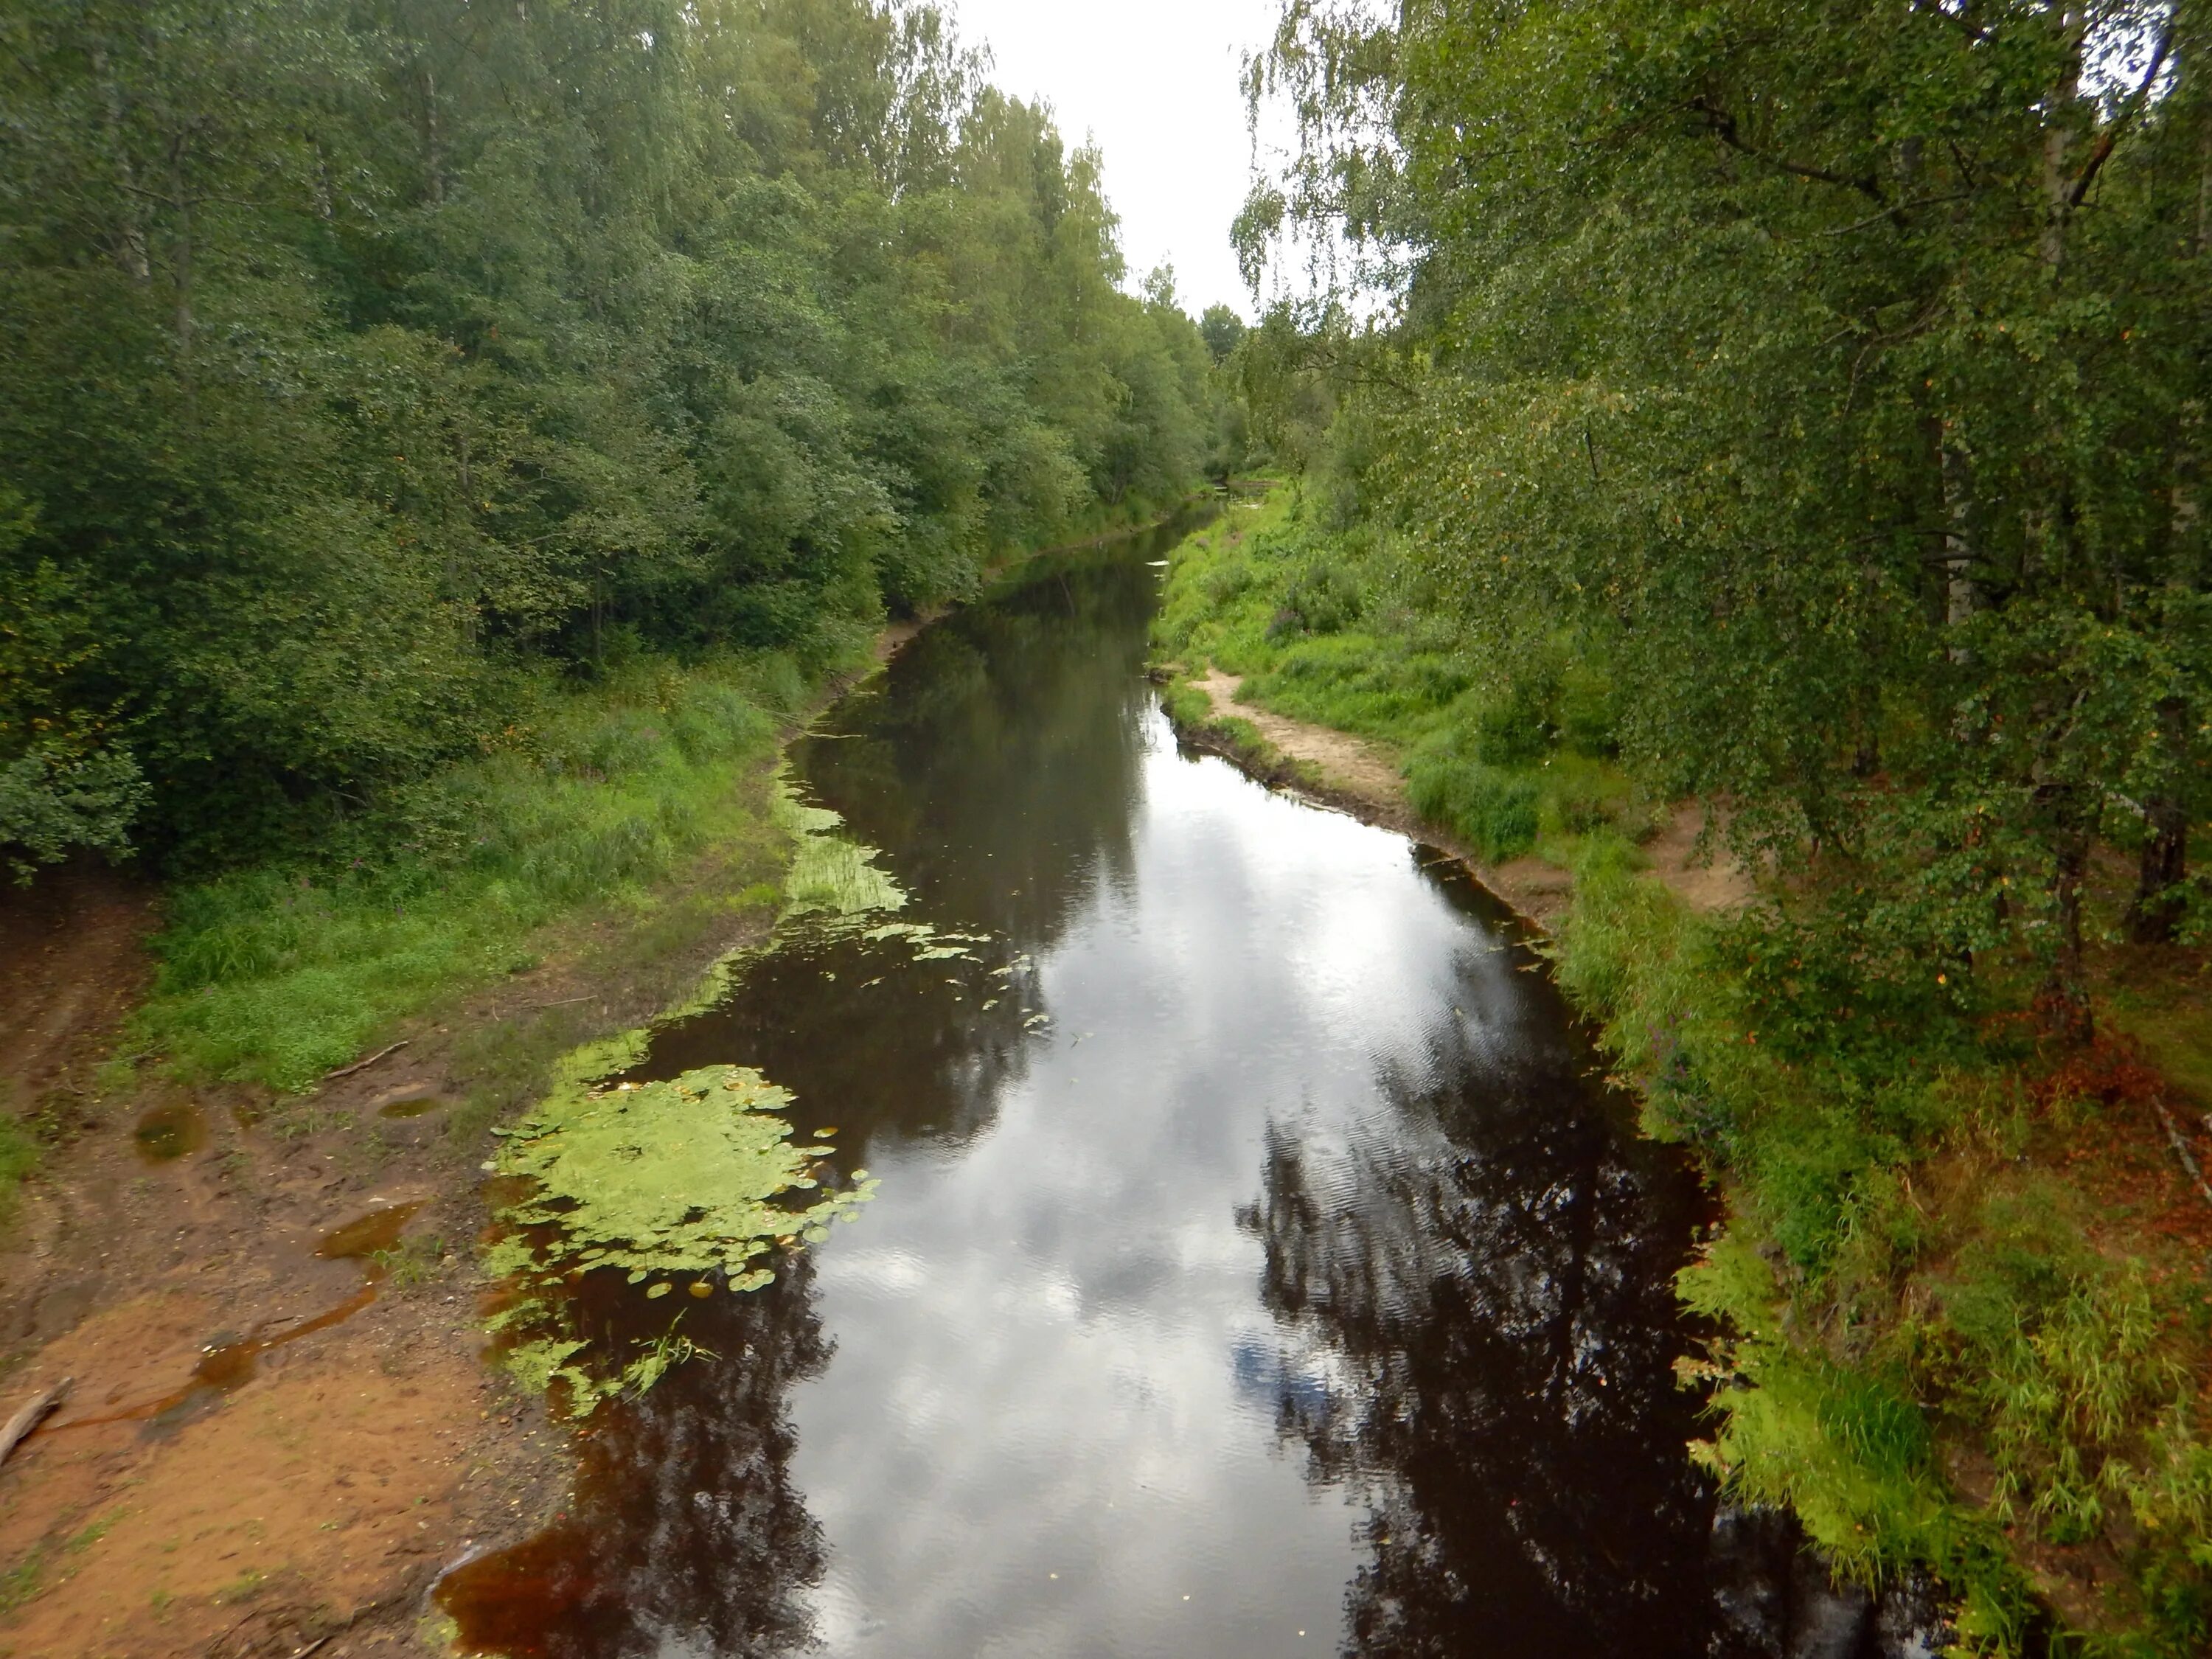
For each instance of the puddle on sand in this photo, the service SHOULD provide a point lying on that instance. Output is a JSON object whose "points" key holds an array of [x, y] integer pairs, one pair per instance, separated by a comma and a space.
{"points": [[234, 1364], [419, 1106], [227, 1365], [170, 1132], [379, 1229]]}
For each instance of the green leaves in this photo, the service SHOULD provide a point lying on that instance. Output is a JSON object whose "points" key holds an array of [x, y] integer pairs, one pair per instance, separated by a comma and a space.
{"points": [[349, 360]]}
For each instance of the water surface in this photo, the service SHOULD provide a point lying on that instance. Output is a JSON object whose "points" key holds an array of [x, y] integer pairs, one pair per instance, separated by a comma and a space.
{"points": [[1259, 1267]]}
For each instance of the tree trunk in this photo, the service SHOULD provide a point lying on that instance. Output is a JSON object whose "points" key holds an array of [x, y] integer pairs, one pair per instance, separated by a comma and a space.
{"points": [[2155, 913], [181, 275], [1961, 597], [130, 252], [434, 144], [2059, 141]]}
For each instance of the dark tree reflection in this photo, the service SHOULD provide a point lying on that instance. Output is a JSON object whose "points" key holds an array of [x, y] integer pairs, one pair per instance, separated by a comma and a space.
{"points": [[1481, 1282], [687, 1533], [998, 762], [1477, 1295], [868, 1039]]}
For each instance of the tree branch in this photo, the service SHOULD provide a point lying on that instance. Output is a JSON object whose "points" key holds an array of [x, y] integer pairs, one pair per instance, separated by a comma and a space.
{"points": [[1722, 125], [1897, 211], [2110, 136], [1972, 30]]}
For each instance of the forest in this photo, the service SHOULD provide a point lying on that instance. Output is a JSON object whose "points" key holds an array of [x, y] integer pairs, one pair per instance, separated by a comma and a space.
{"points": [[1800, 408], [371, 374], [442, 444]]}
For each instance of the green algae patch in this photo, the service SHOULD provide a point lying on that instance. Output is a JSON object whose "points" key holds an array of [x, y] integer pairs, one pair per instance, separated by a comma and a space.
{"points": [[829, 875], [694, 1175]]}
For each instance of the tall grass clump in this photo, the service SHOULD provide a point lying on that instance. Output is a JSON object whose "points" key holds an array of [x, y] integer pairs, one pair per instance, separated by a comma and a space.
{"points": [[277, 973], [1493, 810]]}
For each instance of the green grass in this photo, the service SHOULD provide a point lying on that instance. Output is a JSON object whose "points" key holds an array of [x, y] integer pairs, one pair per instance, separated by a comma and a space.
{"points": [[19, 1155], [277, 973], [1909, 1268], [1314, 623], [592, 799]]}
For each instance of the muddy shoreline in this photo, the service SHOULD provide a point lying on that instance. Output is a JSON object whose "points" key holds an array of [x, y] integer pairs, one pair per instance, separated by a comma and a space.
{"points": [[1351, 775], [269, 1443]]}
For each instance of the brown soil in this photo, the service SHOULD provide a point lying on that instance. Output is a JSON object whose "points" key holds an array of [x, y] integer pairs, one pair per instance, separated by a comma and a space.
{"points": [[347, 1445], [1363, 778], [73, 959]]}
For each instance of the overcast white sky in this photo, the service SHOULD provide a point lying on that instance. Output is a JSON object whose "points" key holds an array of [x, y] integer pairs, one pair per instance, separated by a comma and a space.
{"points": [[1154, 81]]}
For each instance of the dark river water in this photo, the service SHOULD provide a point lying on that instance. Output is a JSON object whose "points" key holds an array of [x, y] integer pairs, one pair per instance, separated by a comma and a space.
{"points": [[1258, 1269]]}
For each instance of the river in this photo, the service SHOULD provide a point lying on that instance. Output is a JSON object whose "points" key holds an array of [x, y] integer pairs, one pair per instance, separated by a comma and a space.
{"points": [[1260, 1266]]}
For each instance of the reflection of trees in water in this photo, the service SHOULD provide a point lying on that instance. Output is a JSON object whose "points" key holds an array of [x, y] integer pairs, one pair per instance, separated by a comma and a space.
{"points": [[998, 762], [1479, 1291], [1488, 1330], [996, 767], [686, 1533], [867, 1038]]}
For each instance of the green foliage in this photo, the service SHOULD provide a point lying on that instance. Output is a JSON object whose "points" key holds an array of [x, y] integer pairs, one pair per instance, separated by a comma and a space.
{"points": [[65, 780], [277, 973], [1866, 1323], [22, 1581], [1804, 408], [355, 367], [50, 805], [1326, 626], [1494, 810], [1862, 436]]}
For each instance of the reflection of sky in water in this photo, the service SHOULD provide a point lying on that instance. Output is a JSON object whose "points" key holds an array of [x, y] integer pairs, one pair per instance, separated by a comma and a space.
{"points": [[1291, 1277], [1051, 1353]]}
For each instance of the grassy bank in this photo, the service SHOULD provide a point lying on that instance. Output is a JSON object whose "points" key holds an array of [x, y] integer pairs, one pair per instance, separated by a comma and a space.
{"points": [[1319, 626], [587, 805], [1962, 1290], [594, 801]]}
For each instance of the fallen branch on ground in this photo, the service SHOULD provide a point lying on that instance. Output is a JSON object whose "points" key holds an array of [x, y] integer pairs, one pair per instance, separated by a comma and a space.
{"points": [[363, 1065], [21, 1424]]}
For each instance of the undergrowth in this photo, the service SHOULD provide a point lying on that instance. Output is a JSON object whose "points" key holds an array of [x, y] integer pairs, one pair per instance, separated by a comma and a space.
{"points": [[1939, 1352], [277, 973]]}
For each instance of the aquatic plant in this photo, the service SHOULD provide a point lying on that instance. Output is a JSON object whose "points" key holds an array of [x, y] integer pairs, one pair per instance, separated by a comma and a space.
{"points": [[694, 1176], [829, 875], [676, 1176]]}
